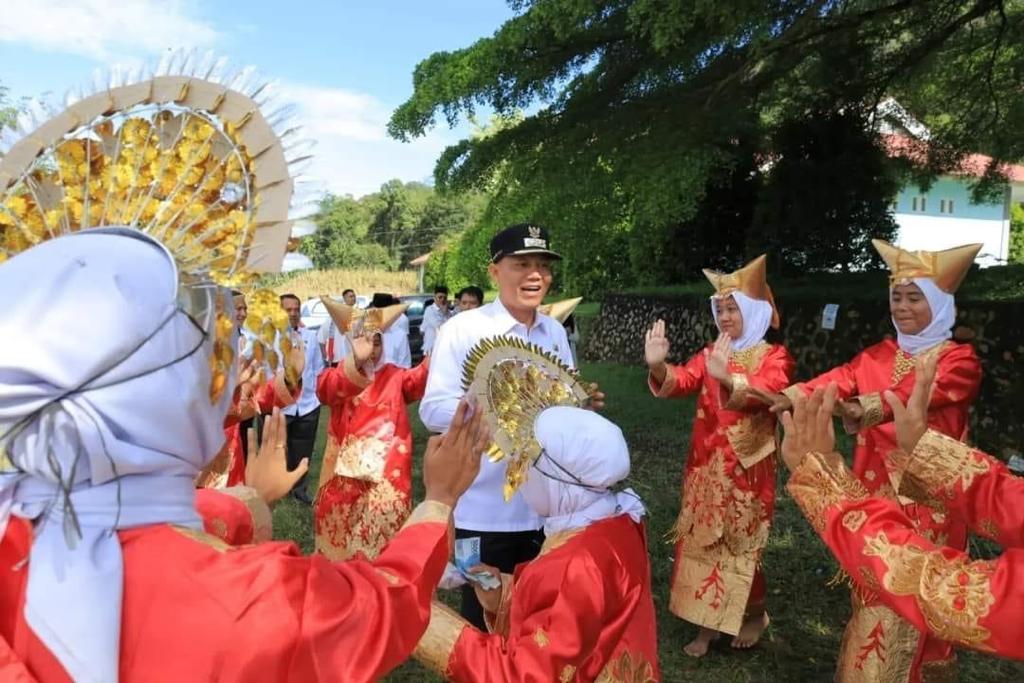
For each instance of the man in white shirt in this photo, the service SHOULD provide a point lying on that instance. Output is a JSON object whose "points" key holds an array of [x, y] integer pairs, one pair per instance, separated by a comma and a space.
{"points": [[303, 416], [469, 298], [433, 317], [521, 267]]}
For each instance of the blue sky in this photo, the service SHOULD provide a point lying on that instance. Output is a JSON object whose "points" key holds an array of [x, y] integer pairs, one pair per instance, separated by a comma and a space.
{"points": [[346, 64]]}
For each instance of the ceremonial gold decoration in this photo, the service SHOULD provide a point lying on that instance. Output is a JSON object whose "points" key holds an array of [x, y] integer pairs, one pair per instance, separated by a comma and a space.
{"points": [[947, 268], [185, 156], [560, 310], [513, 381], [751, 280], [268, 321], [357, 321]]}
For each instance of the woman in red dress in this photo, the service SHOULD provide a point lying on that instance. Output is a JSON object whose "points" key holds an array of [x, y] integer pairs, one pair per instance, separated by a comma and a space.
{"points": [[365, 492], [582, 610], [729, 484], [877, 641]]}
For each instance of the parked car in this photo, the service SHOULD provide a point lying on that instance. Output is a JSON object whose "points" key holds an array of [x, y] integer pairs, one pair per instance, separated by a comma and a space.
{"points": [[314, 314]]}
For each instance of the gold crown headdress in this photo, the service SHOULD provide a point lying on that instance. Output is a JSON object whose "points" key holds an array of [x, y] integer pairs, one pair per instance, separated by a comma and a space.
{"points": [[513, 381], [751, 280], [946, 268], [561, 310], [185, 155], [350, 319]]}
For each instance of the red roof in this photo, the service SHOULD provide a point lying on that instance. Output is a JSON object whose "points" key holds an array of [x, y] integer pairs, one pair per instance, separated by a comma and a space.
{"points": [[972, 165]]}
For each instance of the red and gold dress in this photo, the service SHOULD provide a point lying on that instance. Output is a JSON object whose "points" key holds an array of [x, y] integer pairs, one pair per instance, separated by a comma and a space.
{"points": [[365, 490], [197, 609], [581, 611], [881, 367], [938, 589], [728, 487], [228, 467]]}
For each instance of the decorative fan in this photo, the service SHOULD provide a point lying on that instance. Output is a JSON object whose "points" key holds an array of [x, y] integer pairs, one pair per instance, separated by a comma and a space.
{"points": [[185, 155], [513, 381]]}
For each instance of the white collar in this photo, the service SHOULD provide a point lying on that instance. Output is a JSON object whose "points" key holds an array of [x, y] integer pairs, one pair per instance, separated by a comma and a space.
{"points": [[497, 310]]}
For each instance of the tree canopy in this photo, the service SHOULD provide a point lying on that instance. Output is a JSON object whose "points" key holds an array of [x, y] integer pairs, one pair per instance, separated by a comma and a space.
{"points": [[639, 111]]}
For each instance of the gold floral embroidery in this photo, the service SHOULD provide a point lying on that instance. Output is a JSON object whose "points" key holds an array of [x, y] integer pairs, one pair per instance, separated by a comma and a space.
{"points": [[870, 475], [541, 638], [627, 668], [723, 530], [362, 457], [868, 579], [262, 518], [903, 363], [738, 395], [568, 673], [878, 646], [364, 523], [753, 438], [952, 594], [818, 484], [750, 359], [854, 520], [939, 462], [873, 413], [555, 541]]}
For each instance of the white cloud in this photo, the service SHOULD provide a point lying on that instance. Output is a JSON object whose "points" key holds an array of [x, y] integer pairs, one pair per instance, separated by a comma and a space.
{"points": [[353, 153], [103, 29]]}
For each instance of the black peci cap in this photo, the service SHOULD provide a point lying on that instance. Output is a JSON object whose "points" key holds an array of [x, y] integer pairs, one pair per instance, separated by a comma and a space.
{"points": [[521, 238]]}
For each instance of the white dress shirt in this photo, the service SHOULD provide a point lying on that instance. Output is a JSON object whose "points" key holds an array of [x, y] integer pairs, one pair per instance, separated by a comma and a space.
{"points": [[308, 401], [483, 507], [396, 343], [433, 318]]}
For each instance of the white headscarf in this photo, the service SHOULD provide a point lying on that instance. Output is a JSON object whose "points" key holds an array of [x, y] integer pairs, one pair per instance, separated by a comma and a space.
{"points": [[757, 318], [127, 446], [940, 329], [584, 456]]}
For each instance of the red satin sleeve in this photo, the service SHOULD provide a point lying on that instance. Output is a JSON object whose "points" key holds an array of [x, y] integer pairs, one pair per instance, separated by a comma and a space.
{"points": [[235, 515], [335, 385], [845, 377], [973, 486], [772, 375], [414, 381], [938, 589], [681, 380]]}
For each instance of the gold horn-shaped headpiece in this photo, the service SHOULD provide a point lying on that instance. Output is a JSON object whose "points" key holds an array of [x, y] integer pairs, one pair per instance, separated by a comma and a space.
{"points": [[560, 310], [947, 268], [751, 280], [370, 321]]}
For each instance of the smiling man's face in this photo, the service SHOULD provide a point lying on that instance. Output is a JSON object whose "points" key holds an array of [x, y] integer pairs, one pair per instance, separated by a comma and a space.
{"points": [[523, 281]]}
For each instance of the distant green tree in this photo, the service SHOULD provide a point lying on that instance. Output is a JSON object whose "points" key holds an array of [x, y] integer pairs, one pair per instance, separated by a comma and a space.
{"points": [[1017, 234]]}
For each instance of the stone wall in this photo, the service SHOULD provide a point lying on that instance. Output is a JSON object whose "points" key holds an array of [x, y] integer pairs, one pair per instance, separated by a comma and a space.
{"points": [[995, 328]]}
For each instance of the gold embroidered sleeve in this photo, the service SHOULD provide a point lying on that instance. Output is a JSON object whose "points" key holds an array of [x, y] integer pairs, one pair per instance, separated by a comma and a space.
{"points": [[740, 392], [667, 387], [429, 511], [434, 650], [873, 413], [262, 519], [820, 482], [939, 463]]}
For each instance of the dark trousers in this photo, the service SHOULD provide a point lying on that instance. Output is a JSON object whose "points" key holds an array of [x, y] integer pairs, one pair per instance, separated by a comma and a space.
{"points": [[501, 549], [301, 437]]}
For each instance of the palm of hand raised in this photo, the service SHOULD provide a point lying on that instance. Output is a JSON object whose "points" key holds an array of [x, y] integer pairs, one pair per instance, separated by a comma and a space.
{"points": [[718, 359], [656, 344]]}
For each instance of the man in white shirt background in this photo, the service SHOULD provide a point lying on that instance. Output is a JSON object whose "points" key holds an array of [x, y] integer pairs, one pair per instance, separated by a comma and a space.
{"points": [[433, 317], [469, 298], [303, 416], [521, 267]]}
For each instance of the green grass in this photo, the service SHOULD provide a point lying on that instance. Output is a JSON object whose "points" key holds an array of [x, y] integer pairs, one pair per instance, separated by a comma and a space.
{"points": [[807, 615]]}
